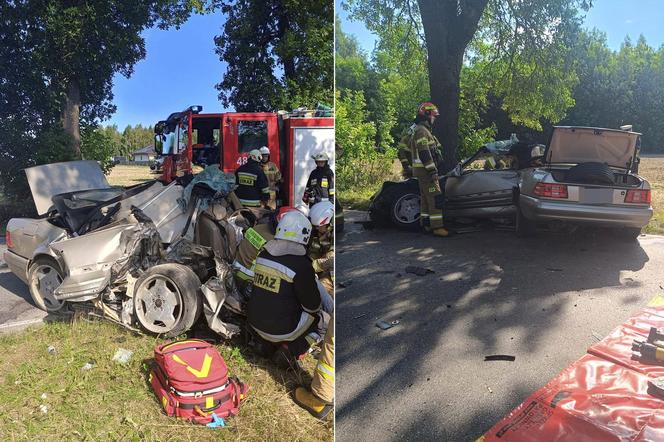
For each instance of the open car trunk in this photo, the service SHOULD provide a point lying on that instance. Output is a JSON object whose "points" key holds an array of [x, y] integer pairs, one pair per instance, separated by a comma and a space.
{"points": [[577, 145]]}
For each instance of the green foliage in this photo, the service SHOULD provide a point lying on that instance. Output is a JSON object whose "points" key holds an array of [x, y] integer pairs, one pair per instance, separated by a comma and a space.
{"points": [[53, 146], [98, 145], [361, 165], [263, 39]]}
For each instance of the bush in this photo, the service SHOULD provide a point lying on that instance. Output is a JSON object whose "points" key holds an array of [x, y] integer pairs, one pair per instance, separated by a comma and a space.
{"points": [[98, 145]]}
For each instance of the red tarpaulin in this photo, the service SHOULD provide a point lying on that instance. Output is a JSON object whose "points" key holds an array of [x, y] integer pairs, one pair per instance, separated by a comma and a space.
{"points": [[602, 396]]}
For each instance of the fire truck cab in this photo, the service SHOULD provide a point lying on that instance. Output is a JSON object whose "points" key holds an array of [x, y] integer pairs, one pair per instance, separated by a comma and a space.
{"points": [[191, 137]]}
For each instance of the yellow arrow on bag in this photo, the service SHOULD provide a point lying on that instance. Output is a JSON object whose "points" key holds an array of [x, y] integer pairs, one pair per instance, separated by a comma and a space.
{"points": [[203, 372]]}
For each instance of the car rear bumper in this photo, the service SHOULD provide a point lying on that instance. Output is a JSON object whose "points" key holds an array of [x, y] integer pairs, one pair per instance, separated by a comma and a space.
{"points": [[604, 215], [17, 265]]}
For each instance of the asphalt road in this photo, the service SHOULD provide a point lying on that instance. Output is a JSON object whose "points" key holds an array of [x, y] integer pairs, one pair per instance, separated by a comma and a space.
{"points": [[544, 300]]}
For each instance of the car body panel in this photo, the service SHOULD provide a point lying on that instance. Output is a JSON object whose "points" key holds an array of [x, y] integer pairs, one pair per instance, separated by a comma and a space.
{"points": [[49, 180], [576, 145], [602, 215], [17, 264], [480, 194]]}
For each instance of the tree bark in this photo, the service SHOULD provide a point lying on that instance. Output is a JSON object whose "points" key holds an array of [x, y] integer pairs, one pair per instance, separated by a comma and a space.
{"points": [[71, 115], [449, 25]]}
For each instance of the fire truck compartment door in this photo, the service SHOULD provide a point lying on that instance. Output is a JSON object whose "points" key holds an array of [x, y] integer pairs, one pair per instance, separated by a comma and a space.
{"points": [[308, 141]]}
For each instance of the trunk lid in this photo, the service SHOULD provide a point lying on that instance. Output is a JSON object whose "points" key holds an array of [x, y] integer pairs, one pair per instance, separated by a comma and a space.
{"points": [[49, 180], [576, 145]]}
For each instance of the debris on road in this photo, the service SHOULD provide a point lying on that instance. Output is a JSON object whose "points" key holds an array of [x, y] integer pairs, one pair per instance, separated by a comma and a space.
{"points": [[345, 284], [500, 358], [419, 271], [553, 269], [360, 316], [596, 336], [122, 356], [384, 325]]}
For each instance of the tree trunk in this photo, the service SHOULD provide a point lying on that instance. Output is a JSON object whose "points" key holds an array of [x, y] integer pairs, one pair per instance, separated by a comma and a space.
{"points": [[71, 115], [449, 25]]}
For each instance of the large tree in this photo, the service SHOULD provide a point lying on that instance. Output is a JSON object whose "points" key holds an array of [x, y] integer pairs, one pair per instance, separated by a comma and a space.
{"points": [[74, 47], [525, 45], [279, 54]]}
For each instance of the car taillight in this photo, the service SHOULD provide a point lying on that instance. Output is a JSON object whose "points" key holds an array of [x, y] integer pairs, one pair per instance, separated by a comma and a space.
{"points": [[638, 196], [8, 239], [551, 190]]}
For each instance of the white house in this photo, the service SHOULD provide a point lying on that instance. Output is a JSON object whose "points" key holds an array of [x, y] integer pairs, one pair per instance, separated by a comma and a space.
{"points": [[144, 154]]}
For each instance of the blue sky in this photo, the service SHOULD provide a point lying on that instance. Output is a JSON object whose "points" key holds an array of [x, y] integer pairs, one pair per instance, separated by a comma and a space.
{"points": [[181, 68], [617, 18]]}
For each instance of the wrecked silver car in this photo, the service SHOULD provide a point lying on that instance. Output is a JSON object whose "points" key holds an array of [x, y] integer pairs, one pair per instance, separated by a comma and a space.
{"points": [[152, 256], [585, 176]]}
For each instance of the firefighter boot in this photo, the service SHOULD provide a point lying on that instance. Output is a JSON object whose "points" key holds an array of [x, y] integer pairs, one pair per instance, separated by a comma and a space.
{"points": [[441, 231], [307, 400]]}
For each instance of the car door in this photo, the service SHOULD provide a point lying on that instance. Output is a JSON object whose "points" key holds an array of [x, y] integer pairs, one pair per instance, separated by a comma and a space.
{"points": [[484, 186]]}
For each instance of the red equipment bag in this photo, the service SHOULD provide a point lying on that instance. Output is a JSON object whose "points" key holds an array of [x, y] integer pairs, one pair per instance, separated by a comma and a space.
{"points": [[190, 379]]}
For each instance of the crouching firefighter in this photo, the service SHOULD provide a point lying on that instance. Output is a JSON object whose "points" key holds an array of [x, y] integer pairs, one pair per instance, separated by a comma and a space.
{"points": [[423, 145], [253, 187], [252, 243], [319, 398], [285, 306]]}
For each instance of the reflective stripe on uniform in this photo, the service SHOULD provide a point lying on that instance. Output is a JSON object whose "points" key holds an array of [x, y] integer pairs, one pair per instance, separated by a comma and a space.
{"points": [[250, 203], [255, 238], [436, 216], [265, 190], [325, 370], [242, 269], [285, 271], [305, 322]]}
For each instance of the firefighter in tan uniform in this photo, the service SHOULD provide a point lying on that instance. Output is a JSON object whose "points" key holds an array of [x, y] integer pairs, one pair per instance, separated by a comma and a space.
{"points": [[403, 151], [273, 176], [423, 146], [319, 398]]}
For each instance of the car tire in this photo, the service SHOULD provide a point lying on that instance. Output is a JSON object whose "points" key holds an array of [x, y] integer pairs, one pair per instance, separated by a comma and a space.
{"points": [[590, 173], [44, 276], [524, 227], [167, 299], [402, 204]]}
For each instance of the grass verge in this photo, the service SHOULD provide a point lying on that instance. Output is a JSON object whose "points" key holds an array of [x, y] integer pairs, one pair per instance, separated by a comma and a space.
{"points": [[115, 402]]}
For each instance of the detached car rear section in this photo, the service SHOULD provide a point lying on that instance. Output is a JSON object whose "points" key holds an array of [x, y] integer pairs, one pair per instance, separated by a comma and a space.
{"points": [[588, 178], [585, 177]]}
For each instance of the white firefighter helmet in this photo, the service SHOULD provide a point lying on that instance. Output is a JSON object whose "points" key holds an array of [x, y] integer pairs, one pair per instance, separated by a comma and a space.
{"points": [[321, 213], [255, 155], [303, 208], [264, 150], [295, 227], [322, 156]]}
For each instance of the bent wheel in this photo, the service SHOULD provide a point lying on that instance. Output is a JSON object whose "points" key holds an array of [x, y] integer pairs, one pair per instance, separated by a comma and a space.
{"points": [[167, 299], [44, 276]]}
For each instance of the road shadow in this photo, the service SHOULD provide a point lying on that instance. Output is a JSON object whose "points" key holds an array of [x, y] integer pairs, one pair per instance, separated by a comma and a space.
{"points": [[486, 286]]}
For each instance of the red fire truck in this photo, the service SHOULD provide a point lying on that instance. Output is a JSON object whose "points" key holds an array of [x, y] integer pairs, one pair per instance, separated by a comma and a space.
{"points": [[226, 138]]}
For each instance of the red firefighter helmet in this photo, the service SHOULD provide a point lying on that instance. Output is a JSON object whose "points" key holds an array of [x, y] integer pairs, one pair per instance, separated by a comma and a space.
{"points": [[428, 108]]}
